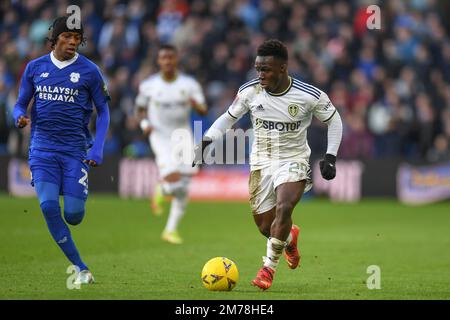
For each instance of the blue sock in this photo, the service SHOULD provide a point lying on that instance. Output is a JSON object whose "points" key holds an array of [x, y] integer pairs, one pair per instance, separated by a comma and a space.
{"points": [[61, 233]]}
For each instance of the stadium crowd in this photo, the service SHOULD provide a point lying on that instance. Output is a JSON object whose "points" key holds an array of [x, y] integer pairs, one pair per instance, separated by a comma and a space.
{"points": [[391, 86]]}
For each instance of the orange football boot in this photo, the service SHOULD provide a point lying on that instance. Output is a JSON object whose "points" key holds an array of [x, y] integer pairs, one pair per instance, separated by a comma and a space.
{"points": [[291, 252], [264, 278]]}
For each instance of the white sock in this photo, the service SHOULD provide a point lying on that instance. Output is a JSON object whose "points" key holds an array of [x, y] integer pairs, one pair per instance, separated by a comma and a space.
{"points": [[289, 238], [178, 188], [274, 250], [177, 209], [171, 188]]}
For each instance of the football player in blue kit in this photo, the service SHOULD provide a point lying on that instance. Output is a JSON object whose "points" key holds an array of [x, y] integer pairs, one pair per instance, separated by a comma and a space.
{"points": [[64, 85]]}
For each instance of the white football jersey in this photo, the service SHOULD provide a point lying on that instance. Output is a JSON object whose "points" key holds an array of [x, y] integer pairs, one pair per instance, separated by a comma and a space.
{"points": [[168, 102], [280, 120]]}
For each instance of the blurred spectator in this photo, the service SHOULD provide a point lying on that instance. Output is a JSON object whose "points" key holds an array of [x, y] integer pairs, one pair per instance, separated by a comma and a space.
{"points": [[425, 118], [170, 18], [39, 28], [440, 151], [4, 127], [357, 141]]}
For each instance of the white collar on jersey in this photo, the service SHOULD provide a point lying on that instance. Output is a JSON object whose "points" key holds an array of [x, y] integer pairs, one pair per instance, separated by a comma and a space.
{"points": [[62, 64]]}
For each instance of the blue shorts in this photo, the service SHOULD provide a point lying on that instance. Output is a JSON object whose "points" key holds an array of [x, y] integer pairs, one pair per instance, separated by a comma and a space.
{"points": [[68, 171]]}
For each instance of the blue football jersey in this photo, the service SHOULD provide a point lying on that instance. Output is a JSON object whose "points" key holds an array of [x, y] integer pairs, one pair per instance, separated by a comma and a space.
{"points": [[63, 94]]}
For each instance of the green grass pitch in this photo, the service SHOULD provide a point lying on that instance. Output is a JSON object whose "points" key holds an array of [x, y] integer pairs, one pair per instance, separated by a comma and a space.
{"points": [[120, 242]]}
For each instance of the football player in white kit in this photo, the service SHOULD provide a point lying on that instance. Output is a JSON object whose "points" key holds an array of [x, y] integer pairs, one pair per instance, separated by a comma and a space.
{"points": [[281, 110], [166, 100]]}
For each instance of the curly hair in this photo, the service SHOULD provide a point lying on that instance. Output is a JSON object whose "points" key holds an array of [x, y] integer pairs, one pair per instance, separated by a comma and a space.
{"points": [[59, 26], [274, 48]]}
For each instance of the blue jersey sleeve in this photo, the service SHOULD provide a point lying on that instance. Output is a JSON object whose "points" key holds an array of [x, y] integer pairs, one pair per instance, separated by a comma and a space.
{"points": [[100, 96], [26, 92], [99, 90]]}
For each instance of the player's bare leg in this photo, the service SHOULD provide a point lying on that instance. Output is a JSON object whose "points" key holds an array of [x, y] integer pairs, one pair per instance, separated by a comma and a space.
{"points": [[288, 195], [264, 221], [291, 253]]}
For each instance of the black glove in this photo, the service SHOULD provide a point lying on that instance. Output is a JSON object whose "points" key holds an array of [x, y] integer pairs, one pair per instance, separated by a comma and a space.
{"points": [[198, 151], [328, 166]]}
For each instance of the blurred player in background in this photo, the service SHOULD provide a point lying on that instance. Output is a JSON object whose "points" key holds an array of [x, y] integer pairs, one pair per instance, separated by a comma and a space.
{"points": [[164, 101], [281, 110], [63, 84]]}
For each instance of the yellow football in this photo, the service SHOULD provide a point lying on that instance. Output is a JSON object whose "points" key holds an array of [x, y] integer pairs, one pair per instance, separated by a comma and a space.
{"points": [[220, 274]]}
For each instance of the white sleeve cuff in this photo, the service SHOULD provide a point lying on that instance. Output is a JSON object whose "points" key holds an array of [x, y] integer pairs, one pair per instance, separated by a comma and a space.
{"points": [[144, 124], [334, 133]]}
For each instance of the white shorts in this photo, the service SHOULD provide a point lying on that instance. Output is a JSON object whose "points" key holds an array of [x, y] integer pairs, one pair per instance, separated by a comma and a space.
{"points": [[263, 182], [173, 156]]}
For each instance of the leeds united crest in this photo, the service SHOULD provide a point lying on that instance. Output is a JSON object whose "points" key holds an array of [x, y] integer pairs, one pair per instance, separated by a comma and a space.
{"points": [[293, 109]]}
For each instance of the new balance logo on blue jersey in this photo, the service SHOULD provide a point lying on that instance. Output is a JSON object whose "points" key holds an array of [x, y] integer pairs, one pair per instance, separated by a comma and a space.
{"points": [[44, 75]]}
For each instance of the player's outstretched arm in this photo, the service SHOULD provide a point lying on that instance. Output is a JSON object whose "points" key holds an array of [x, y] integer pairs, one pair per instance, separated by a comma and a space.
{"points": [[95, 155], [25, 94], [216, 131], [328, 164], [141, 108], [237, 109], [100, 96], [197, 98], [200, 108]]}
